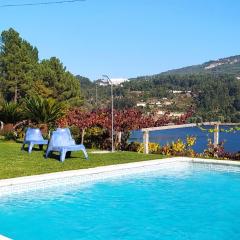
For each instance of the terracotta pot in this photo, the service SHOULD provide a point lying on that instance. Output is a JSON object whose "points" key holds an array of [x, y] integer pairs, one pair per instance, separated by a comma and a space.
{"points": [[43, 128], [8, 127]]}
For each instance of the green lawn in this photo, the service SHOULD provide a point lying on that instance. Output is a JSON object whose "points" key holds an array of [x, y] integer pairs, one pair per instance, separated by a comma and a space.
{"points": [[16, 163]]}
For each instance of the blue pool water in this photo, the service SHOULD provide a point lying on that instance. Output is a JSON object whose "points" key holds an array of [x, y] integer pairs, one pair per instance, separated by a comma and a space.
{"points": [[191, 203], [232, 140]]}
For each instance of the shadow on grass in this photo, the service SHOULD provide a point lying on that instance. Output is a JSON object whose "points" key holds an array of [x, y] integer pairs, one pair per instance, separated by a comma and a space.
{"points": [[54, 155], [35, 149]]}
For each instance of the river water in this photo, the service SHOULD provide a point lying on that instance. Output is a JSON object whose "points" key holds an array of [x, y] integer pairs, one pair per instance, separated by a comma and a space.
{"points": [[232, 139]]}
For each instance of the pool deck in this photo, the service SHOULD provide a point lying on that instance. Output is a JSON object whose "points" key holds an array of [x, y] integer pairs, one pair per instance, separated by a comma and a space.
{"points": [[73, 177]]}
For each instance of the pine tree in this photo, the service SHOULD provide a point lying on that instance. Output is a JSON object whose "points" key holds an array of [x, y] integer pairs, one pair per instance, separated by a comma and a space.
{"points": [[18, 60], [22, 75]]}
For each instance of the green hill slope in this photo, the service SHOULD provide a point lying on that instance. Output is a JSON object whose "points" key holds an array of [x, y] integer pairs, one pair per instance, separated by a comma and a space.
{"points": [[228, 65]]}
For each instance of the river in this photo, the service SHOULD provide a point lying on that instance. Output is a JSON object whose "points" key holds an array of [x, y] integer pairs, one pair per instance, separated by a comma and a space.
{"points": [[232, 139]]}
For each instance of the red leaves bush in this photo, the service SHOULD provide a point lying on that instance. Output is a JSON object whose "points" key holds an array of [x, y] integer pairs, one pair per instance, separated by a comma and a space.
{"points": [[124, 121]]}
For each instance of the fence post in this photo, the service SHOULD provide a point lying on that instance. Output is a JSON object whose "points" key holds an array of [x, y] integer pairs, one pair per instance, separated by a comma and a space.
{"points": [[146, 141], [216, 135]]}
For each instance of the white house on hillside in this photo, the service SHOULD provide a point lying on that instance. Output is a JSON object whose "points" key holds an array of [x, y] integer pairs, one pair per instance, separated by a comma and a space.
{"points": [[117, 81], [141, 104]]}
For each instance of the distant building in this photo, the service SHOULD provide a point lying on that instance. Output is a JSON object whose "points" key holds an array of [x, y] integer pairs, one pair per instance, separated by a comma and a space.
{"points": [[118, 81], [138, 93], [141, 104], [160, 112], [151, 103], [167, 103], [172, 114], [177, 91], [115, 81], [176, 114]]}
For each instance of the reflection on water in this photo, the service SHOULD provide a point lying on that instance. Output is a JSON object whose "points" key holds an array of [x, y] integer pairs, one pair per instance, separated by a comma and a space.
{"points": [[232, 140]]}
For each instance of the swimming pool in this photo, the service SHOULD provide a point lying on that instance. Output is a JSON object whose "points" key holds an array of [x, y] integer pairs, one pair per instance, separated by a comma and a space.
{"points": [[190, 201]]}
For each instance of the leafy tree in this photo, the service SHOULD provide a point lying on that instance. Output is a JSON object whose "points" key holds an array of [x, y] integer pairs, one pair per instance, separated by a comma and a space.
{"points": [[124, 103], [61, 84], [18, 59], [22, 75]]}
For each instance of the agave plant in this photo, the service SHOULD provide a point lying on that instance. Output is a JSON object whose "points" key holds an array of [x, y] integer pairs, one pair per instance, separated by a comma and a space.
{"points": [[44, 111], [10, 112]]}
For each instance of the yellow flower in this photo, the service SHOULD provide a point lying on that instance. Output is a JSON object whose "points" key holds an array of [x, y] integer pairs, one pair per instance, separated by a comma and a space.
{"points": [[191, 141], [178, 146]]}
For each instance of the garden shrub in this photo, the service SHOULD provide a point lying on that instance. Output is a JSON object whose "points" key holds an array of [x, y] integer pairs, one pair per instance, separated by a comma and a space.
{"points": [[213, 151], [218, 152], [96, 137], [152, 148], [177, 148], [9, 135], [180, 148], [44, 110], [10, 112], [76, 133], [133, 146]]}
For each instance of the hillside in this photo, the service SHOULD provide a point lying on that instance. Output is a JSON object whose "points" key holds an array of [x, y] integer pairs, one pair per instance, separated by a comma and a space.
{"points": [[228, 65], [211, 88]]}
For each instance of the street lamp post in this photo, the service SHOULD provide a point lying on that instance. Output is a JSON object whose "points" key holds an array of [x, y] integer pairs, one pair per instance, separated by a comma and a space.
{"points": [[111, 83], [96, 95]]}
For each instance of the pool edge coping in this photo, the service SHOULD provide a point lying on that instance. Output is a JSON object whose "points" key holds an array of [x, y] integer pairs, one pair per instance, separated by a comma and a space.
{"points": [[83, 172], [2, 237], [109, 168]]}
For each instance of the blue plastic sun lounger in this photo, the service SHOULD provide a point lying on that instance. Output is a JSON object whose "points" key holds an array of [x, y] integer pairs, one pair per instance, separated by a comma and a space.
{"points": [[33, 137], [68, 133], [61, 141]]}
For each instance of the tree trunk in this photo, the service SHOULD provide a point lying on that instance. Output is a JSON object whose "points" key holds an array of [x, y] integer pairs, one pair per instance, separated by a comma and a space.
{"points": [[15, 94], [83, 133], [118, 140], [1, 125], [119, 137], [44, 129]]}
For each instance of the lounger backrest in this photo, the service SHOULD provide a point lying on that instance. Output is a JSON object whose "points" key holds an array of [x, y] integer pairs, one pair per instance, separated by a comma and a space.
{"points": [[33, 134], [67, 132], [59, 139]]}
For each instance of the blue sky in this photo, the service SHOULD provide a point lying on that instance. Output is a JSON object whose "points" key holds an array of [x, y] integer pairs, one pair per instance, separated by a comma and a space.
{"points": [[128, 38]]}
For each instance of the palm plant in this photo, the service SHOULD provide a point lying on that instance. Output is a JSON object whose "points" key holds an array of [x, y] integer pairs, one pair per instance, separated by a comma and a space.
{"points": [[44, 111], [10, 112]]}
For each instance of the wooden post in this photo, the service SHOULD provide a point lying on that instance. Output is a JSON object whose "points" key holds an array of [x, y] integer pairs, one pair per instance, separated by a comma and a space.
{"points": [[216, 135], [146, 141]]}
